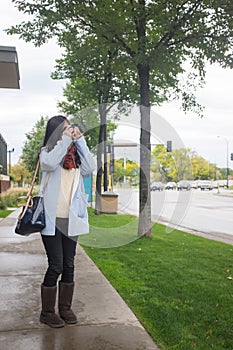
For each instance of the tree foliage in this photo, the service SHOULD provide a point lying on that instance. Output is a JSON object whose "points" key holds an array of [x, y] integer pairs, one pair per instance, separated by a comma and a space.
{"points": [[202, 169], [161, 34], [20, 174], [172, 166], [181, 164], [34, 141], [162, 164], [125, 168]]}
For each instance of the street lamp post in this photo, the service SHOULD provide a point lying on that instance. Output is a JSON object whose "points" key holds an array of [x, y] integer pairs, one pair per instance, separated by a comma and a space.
{"points": [[10, 159], [227, 144]]}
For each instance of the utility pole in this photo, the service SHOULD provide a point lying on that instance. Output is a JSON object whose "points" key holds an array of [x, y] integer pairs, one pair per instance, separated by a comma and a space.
{"points": [[10, 159]]}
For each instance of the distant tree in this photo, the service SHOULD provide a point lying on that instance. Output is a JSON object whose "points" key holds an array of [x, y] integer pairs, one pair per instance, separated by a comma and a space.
{"points": [[20, 174], [162, 164], [119, 171], [132, 170], [213, 171], [202, 169], [182, 163], [33, 143], [125, 168]]}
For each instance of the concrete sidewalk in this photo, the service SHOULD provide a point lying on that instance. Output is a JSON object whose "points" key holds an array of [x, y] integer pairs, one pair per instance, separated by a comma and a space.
{"points": [[104, 320]]}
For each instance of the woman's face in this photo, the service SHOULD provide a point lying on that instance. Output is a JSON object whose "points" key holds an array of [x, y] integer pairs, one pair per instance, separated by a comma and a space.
{"points": [[65, 124]]}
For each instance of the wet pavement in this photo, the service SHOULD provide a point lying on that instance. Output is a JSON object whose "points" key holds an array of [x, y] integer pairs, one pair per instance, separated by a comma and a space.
{"points": [[104, 320]]}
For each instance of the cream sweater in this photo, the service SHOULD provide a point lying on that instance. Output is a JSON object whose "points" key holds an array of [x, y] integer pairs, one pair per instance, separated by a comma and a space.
{"points": [[69, 177]]}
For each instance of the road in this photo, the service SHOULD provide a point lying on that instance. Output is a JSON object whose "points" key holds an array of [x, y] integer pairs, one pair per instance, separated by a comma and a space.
{"points": [[207, 213]]}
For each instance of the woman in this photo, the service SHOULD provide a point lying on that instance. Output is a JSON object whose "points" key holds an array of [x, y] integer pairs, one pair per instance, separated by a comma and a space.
{"points": [[64, 159]]}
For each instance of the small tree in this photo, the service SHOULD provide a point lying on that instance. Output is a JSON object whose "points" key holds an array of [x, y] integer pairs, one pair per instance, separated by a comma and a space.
{"points": [[162, 163], [94, 80], [202, 169], [34, 141], [20, 174], [119, 171]]}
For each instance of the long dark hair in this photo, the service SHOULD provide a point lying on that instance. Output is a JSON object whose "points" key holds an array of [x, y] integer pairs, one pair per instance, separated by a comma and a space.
{"points": [[54, 130]]}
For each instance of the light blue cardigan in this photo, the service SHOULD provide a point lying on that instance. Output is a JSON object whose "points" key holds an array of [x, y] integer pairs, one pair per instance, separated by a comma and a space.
{"points": [[50, 163]]}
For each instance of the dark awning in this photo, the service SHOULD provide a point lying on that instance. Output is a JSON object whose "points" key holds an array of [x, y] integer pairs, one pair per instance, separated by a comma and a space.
{"points": [[9, 70]]}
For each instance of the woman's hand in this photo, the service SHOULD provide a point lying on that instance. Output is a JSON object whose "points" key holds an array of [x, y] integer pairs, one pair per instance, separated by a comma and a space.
{"points": [[68, 131], [76, 133]]}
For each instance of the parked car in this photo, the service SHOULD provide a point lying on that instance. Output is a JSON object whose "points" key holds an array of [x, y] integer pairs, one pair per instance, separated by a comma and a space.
{"points": [[194, 184], [156, 186], [206, 185], [222, 183], [183, 185], [170, 186]]}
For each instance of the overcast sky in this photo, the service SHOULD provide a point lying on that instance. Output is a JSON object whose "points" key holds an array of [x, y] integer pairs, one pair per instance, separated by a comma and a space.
{"points": [[38, 95]]}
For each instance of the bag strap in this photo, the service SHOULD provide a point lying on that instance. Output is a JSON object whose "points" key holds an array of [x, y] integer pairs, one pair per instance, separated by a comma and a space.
{"points": [[29, 203], [29, 197], [33, 179]]}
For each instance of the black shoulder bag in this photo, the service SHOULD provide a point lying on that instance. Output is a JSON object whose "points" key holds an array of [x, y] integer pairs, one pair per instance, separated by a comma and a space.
{"points": [[32, 217]]}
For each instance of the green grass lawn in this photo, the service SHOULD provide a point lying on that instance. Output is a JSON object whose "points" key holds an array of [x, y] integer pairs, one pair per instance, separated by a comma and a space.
{"points": [[5, 213], [107, 231], [180, 286]]}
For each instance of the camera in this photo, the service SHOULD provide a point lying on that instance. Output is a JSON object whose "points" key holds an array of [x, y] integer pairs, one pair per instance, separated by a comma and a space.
{"points": [[80, 126]]}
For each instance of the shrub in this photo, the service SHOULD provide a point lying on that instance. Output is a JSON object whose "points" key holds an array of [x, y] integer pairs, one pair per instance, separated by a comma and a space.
{"points": [[2, 205], [11, 196]]}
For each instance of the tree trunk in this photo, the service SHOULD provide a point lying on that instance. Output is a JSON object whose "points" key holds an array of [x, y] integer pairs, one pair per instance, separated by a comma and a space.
{"points": [[144, 226], [105, 154], [101, 149]]}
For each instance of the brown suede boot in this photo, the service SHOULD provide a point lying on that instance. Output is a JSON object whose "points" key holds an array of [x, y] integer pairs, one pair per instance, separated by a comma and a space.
{"points": [[66, 291], [48, 316]]}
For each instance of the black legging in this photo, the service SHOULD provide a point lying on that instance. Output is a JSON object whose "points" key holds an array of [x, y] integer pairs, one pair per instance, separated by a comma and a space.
{"points": [[60, 251]]}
